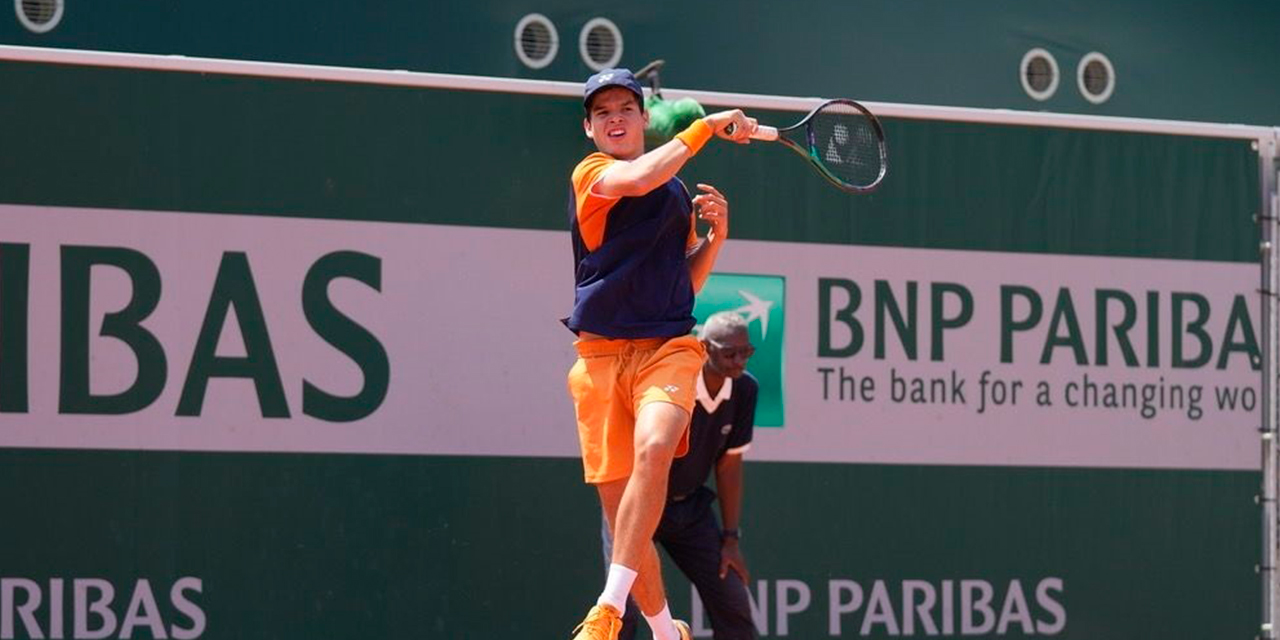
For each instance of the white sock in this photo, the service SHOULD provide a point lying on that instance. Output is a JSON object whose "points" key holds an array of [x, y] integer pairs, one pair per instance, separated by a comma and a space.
{"points": [[664, 628], [617, 586]]}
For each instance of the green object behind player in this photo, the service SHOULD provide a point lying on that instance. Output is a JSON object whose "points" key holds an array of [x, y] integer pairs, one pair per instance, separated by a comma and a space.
{"points": [[669, 117]]}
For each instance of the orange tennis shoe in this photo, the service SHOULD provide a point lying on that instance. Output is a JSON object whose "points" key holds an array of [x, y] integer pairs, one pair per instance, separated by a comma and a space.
{"points": [[603, 622], [683, 628]]}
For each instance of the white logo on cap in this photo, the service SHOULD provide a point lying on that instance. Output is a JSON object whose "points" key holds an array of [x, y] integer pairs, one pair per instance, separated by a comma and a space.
{"points": [[605, 78]]}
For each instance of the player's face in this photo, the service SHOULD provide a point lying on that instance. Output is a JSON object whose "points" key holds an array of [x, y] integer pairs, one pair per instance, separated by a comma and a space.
{"points": [[728, 355], [616, 123]]}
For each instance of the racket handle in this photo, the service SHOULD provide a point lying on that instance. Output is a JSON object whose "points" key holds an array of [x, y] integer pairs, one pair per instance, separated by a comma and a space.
{"points": [[762, 132], [765, 132]]}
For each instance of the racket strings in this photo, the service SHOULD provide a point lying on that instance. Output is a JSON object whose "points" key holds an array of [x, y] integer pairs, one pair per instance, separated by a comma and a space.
{"points": [[847, 144]]}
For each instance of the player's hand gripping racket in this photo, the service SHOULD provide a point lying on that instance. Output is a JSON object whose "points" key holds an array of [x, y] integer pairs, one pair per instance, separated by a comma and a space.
{"points": [[843, 141]]}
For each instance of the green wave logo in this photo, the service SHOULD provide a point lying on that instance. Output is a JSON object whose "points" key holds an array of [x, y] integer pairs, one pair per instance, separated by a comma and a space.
{"points": [[761, 301]]}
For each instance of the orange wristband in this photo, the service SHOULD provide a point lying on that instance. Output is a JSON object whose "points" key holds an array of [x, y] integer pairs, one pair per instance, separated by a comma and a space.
{"points": [[696, 135]]}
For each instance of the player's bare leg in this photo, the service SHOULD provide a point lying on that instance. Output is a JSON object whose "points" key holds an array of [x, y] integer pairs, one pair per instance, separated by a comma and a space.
{"points": [[659, 427], [634, 506]]}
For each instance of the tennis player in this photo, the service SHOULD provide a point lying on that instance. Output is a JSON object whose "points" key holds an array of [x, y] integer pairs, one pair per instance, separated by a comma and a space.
{"points": [[638, 263]]}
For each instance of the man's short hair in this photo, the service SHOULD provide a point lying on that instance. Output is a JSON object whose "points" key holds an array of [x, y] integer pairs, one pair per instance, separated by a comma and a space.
{"points": [[722, 323]]}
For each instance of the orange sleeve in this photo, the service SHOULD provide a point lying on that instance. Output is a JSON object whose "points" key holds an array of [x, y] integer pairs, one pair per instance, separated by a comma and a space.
{"points": [[593, 208]]}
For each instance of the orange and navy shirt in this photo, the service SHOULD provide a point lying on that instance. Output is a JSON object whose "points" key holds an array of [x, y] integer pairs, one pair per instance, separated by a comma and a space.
{"points": [[631, 270]]}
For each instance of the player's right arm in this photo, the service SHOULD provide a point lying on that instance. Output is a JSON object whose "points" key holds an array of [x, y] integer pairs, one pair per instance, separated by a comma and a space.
{"points": [[653, 169]]}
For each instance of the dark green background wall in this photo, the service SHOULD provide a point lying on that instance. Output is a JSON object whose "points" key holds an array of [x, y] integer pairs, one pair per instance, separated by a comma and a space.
{"points": [[1179, 59], [343, 546]]}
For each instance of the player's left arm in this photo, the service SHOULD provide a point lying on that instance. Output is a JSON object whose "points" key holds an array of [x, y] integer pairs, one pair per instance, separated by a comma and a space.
{"points": [[713, 208]]}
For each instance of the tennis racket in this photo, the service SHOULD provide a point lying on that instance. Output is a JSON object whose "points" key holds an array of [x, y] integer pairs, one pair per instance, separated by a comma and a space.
{"points": [[841, 139]]}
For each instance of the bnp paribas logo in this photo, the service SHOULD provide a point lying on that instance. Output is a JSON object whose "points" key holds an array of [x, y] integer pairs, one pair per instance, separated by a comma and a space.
{"points": [[761, 301]]}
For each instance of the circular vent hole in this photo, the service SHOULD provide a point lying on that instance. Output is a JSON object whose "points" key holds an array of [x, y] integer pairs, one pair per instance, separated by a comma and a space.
{"points": [[600, 44], [39, 16], [1096, 77], [1039, 74], [536, 41]]}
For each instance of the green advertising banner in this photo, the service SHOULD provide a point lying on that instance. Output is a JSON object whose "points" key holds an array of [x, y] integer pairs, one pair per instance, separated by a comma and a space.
{"points": [[282, 359], [762, 302]]}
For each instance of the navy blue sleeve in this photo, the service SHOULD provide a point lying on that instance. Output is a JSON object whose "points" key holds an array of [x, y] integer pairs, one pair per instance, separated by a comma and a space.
{"points": [[744, 417]]}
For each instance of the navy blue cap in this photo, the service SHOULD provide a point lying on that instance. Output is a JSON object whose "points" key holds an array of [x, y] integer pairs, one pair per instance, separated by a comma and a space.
{"points": [[611, 78]]}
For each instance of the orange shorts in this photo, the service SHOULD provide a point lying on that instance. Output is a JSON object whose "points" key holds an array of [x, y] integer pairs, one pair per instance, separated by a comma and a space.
{"points": [[612, 380]]}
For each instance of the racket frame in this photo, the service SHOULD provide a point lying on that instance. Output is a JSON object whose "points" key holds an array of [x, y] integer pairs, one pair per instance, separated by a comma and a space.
{"points": [[811, 152]]}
